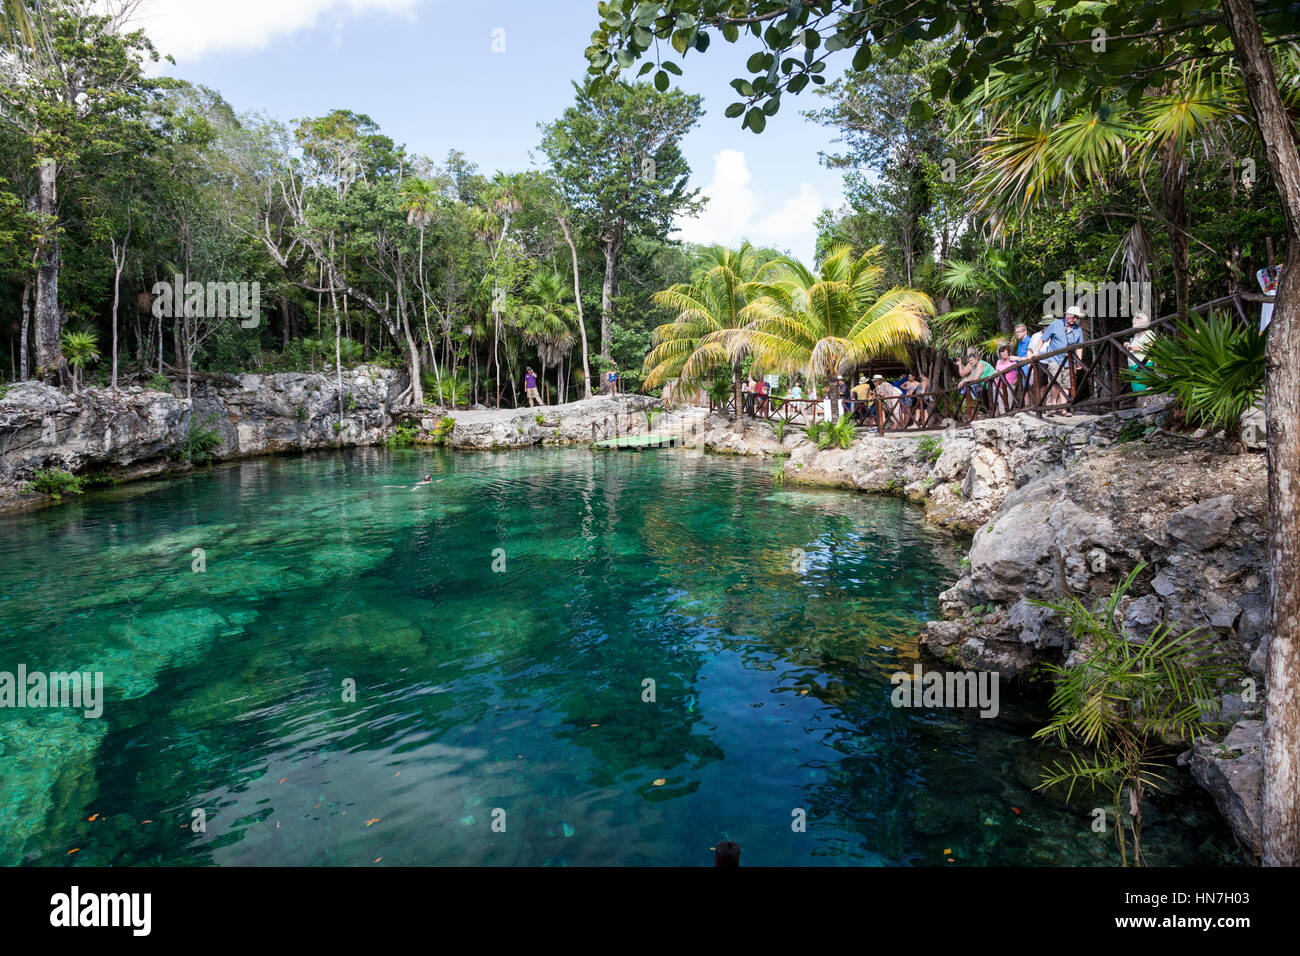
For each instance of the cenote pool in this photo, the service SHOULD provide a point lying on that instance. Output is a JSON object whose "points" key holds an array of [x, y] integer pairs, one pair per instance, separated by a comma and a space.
{"points": [[521, 690]]}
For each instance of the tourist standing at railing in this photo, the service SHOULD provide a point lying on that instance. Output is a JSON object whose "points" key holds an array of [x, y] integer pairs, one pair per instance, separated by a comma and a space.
{"points": [[1139, 344], [861, 393], [909, 400], [1022, 349], [974, 370], [1022, 341], [1060, 334], [1006, 380], [887, 401], [794, 392]]}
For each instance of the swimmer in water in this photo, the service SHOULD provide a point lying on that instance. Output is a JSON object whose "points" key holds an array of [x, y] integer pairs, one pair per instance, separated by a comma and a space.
{"points": [[428, 480]]}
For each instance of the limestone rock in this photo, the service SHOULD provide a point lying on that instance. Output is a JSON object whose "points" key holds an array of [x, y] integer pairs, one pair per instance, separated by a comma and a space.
{"points": [[1232, 771]]}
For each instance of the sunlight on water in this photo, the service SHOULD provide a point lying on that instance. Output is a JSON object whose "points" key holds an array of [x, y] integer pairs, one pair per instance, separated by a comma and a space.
{"points": [[516, 690]]}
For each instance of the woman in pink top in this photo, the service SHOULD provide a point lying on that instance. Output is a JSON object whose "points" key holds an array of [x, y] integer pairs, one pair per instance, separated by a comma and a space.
{"points": [[1006, 381]]}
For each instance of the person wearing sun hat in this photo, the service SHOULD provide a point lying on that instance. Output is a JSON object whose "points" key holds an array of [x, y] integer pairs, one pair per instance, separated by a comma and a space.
{"points": [[1060, 334]]}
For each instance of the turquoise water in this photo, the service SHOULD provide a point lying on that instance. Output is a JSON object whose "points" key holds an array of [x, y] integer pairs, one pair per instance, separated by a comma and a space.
{"points": [[499, 626]]}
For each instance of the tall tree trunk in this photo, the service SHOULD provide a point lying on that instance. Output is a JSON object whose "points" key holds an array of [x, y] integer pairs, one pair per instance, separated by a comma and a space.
{"points": [[612, 247], [1173, 169], [23, 362], [284, 321], [338, 347], [1281, 797], [737, 384], [577, 298], [833, 392], [119, 263], [51, 366]]}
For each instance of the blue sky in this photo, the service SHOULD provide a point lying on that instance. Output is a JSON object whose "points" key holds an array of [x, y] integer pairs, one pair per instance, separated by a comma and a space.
{"points": [[425, 70]]}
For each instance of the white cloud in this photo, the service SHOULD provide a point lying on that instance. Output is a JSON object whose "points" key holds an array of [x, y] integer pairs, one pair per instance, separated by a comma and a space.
{"points": [[733, 212], [192, 29]]}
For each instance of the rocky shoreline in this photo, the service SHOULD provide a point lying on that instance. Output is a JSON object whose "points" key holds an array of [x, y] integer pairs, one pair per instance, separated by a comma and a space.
{"points": [[1057, 506]]}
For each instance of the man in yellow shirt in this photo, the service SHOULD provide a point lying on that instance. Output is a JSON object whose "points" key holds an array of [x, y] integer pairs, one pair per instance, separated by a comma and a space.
{"points": [[861, 400]]}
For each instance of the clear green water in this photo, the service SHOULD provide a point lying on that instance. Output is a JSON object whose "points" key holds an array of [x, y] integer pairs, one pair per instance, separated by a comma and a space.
{"points": [[519, 690]]}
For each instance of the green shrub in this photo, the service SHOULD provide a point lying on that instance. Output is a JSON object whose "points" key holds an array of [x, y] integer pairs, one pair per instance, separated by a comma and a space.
{"points": [[55, 482], [1213, 367], [159, 383], [825, 434], [301, 413], [198, 444], [441, 393], [403, 436], [929, 447], [1118, 711]]}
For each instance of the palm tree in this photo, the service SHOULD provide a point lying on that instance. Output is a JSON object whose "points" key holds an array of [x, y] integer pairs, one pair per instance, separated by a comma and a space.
{"points": [[546, 323], [419, 201], [492, 224], [813, 323], [711, 304], [1039, 145], [82, 349]]}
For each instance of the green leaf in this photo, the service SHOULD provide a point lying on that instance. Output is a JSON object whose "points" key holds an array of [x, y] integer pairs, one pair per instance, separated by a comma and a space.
{"points": [[734, 110], [862, 59], [755, 120], [755, 63], [661, 81], [798, 82], [645, 68], [673, 68], [701, 41], [625, 58]]}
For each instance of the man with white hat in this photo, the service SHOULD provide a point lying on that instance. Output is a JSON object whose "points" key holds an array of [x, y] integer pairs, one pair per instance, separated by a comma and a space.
{"points": [[1060, 334], [887, 397]]}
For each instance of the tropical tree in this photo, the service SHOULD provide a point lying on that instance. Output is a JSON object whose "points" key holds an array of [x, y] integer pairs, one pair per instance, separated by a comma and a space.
{"points": [[1038, 145], [81, 349], [420, 201], [700, 340], [619, 165], [74, 90], [815, 322], [546, 323]]}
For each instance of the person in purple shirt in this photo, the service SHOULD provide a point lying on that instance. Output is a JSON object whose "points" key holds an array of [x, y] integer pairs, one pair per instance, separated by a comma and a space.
{"points": [[530, 387]]}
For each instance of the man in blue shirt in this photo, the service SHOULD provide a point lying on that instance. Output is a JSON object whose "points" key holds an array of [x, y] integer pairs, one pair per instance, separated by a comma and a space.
{"points": [[1061, 334], [1022, 341]]}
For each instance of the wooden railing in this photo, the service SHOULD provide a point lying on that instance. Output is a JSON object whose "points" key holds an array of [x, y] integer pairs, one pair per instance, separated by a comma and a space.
{"points": [[1089, 376]]}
